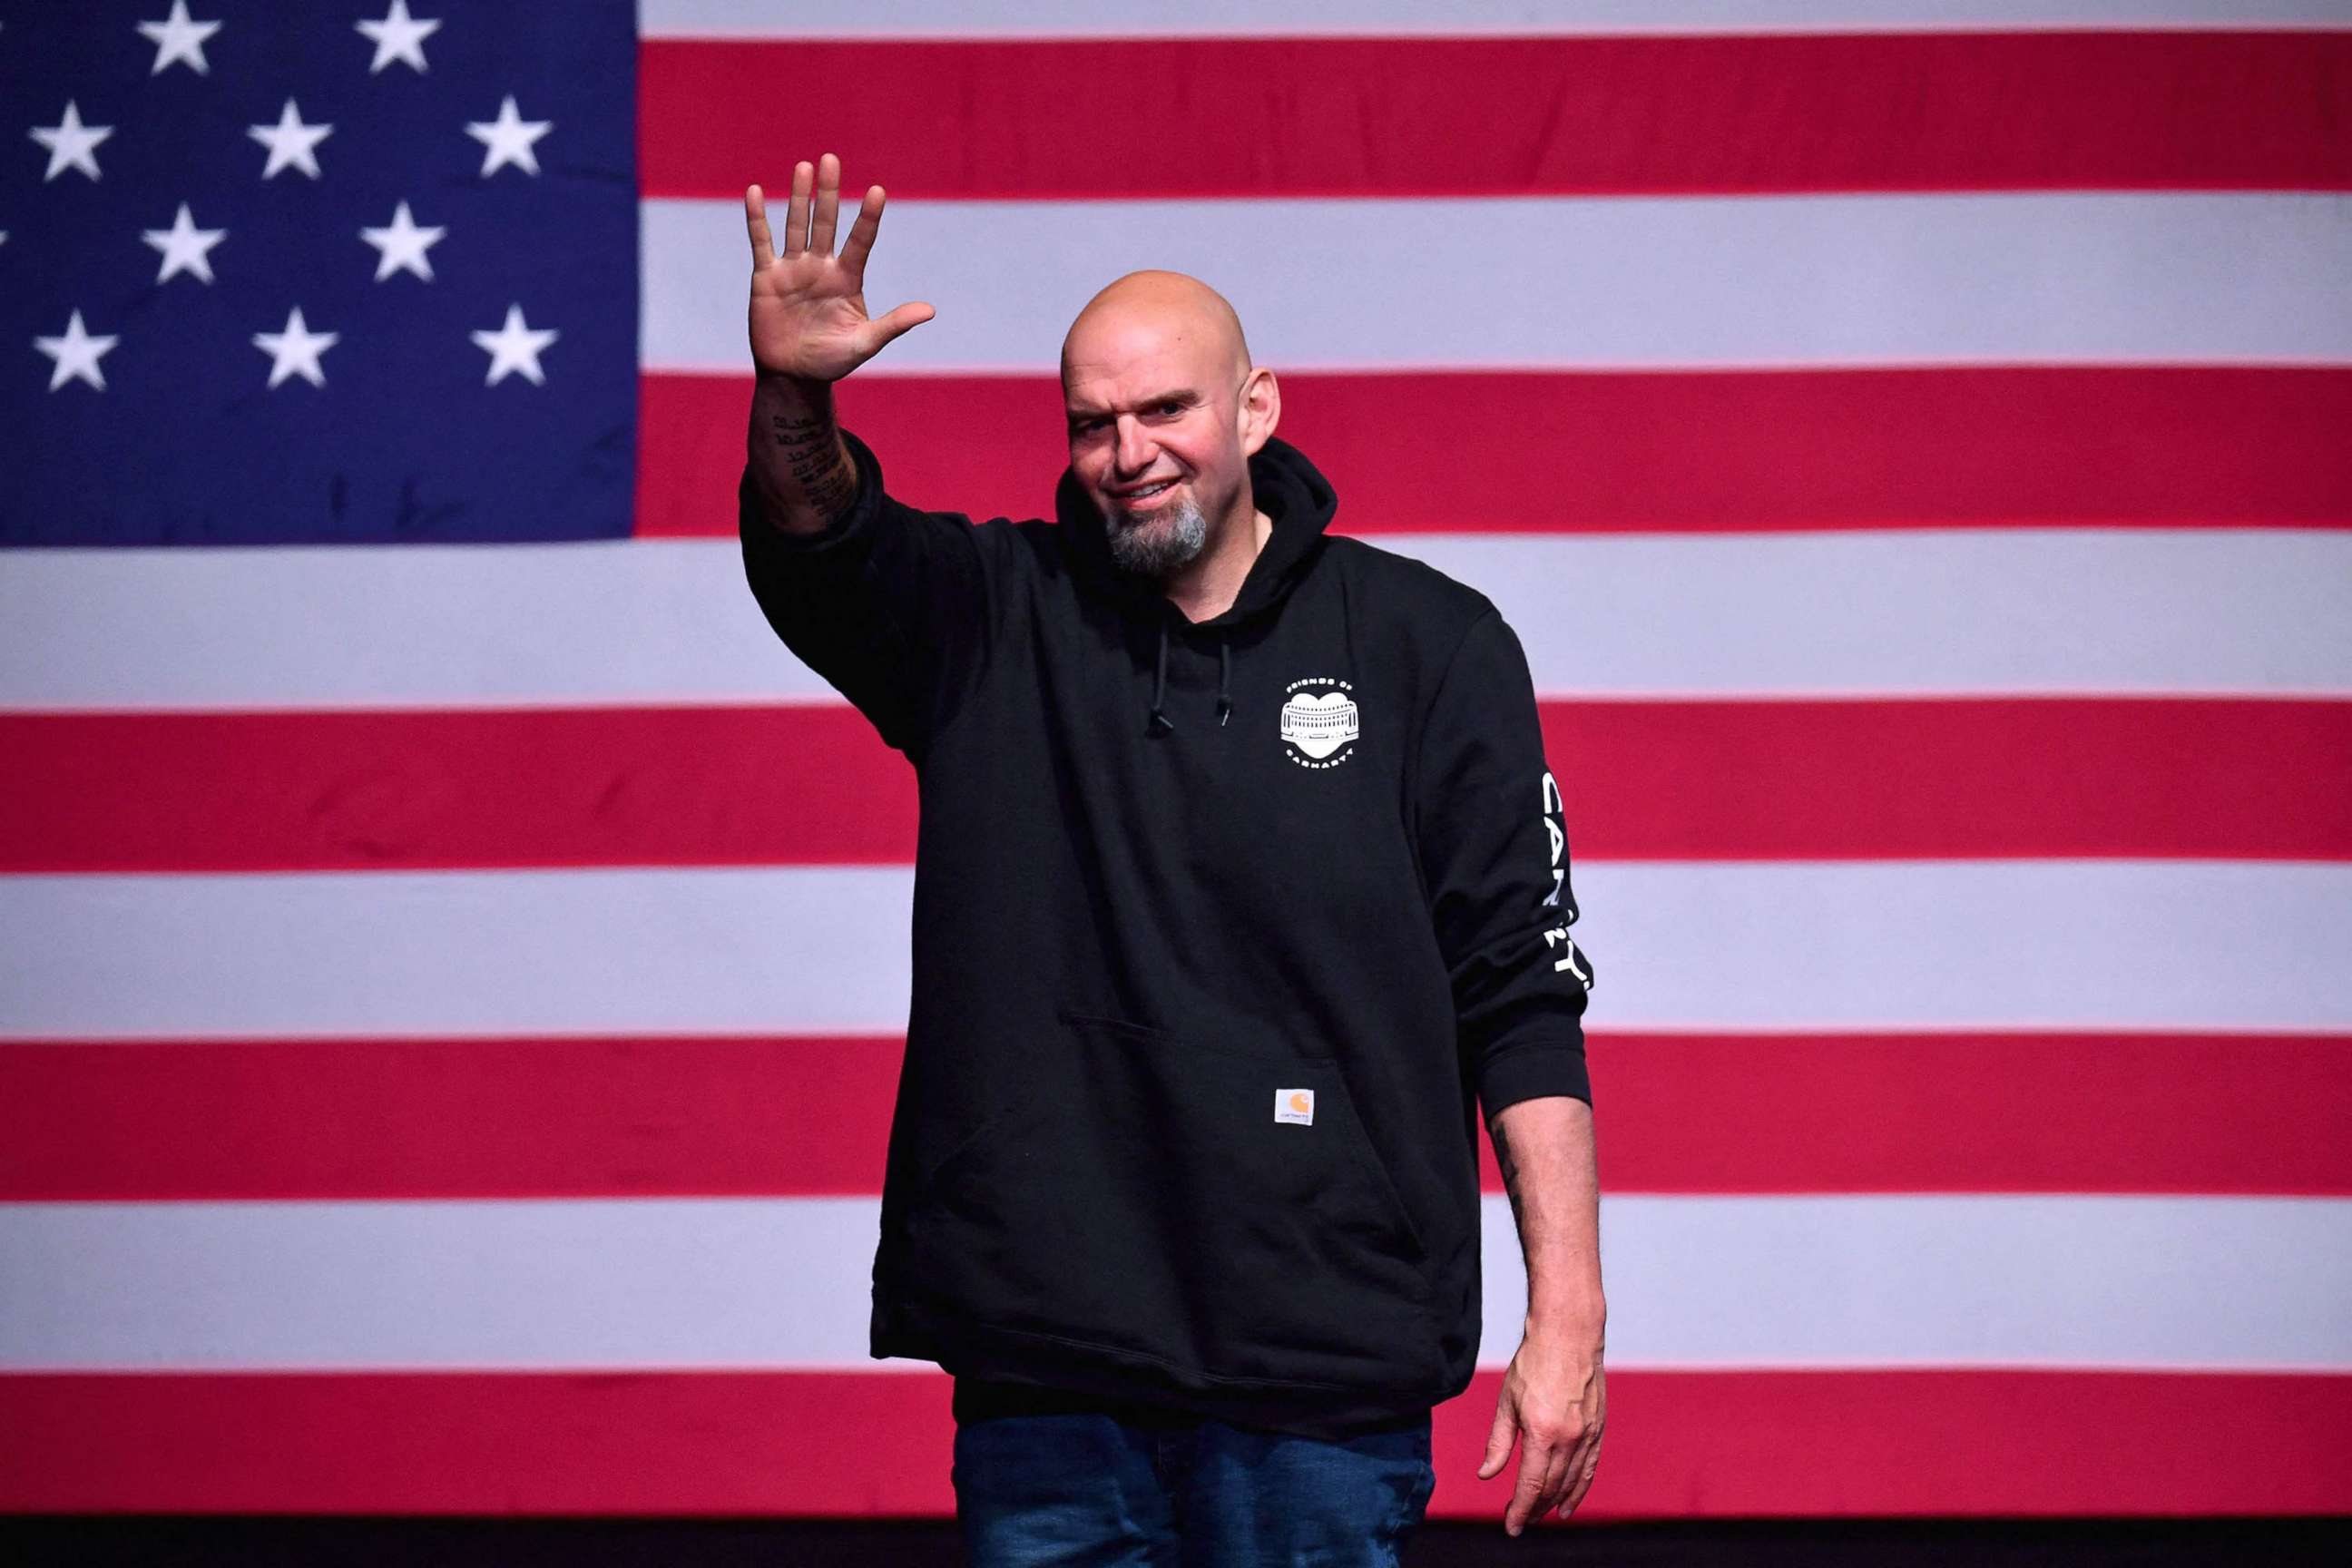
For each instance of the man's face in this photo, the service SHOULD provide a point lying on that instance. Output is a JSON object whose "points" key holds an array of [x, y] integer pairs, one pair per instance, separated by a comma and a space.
{"points": [[1154, 435]]}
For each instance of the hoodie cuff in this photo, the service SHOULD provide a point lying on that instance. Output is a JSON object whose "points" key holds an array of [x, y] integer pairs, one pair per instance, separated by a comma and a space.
{"points": [[1536, 1068], [863, 505]]}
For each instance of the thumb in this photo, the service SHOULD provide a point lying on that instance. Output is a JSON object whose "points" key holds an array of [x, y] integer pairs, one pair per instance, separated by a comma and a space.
{"points": [[914, 313], [1498, 1438]]}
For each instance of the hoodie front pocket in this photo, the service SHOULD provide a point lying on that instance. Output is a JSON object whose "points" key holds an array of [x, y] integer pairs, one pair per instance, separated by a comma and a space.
{"points": [[1213, 1207]]}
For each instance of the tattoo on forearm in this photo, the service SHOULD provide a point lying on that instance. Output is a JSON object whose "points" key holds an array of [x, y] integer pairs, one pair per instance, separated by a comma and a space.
{"points": [[813, 456]]}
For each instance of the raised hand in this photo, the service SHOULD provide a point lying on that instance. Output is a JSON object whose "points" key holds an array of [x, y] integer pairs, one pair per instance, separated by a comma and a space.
{"points": [[808, 305]]}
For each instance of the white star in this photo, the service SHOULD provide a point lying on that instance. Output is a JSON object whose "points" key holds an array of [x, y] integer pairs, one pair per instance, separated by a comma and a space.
{"points": [[72, 145], [296, 351], [514, 347], [509, 139], [291, 141], [177, 38], [398, 37], [76, 356], [402, 247], [185, 247]]}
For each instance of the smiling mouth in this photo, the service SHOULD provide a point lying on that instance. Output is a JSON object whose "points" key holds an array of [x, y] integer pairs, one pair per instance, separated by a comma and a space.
{"points": [[1144, 497]]}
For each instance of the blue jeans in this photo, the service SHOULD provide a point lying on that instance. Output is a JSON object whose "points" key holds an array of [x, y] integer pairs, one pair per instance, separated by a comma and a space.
{"points": [[1085, 1490]]}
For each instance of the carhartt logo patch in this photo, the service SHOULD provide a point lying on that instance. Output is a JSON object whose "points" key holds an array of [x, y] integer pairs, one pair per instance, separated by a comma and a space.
{"points": [[1294, 1105], [1320, 721]]}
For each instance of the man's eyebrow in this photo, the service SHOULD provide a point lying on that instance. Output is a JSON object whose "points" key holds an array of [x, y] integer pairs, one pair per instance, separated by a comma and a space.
{"points": [[1183, 394]]}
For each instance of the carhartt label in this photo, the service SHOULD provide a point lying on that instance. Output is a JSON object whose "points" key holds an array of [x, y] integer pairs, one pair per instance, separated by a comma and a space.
{"points": [[1294, 1105]]}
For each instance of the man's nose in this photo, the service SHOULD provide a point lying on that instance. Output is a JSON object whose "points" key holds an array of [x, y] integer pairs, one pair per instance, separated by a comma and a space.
{"points": [[1134, 449]]}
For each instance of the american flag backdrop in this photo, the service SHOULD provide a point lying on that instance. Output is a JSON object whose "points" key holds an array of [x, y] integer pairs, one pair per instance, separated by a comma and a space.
{"points": [[453, 958]]}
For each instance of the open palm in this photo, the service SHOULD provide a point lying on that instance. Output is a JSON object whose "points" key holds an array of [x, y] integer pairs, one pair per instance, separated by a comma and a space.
{"points": [[808, 315]]}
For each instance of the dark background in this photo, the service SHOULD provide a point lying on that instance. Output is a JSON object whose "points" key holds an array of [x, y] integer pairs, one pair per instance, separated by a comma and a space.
{"points": [[270, 1543]]}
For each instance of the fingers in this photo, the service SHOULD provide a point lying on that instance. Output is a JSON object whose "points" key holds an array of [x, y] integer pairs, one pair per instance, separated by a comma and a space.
{"points": [[828, 203], [812, 214], [1545, 1479], [1555, 1480], [1552, 1475], [1566, 1472], [1498, 1438], [755, 218], [1536, 1464], [861, 233], [796, 212], [1581, 1467], [1586, 1461], [913, 313]]}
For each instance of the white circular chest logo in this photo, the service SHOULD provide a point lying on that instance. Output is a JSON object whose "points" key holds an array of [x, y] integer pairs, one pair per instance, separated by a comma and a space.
{"points": [[1319, 721]]}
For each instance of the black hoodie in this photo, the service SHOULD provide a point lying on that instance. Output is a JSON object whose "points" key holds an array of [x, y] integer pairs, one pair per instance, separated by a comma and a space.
{"points": [[1222, 932]]}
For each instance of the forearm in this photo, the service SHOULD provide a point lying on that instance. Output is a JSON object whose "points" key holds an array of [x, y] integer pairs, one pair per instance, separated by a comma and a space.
{"points": [[800, 464], [1545, 1147]]}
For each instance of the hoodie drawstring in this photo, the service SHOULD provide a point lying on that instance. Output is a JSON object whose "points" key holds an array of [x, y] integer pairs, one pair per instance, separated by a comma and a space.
{"points": [[1160, 719]]}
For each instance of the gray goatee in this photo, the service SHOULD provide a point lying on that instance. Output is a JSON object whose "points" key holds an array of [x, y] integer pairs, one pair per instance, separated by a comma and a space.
{"points": [[1155, 543]]}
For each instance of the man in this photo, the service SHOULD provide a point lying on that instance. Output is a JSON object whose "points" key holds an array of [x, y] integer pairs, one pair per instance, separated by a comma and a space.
{"points": [[1183, 1177]]}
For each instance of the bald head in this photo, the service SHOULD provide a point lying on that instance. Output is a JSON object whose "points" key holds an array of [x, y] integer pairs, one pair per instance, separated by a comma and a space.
{"points": [[1164, 412], [1167, 317]]}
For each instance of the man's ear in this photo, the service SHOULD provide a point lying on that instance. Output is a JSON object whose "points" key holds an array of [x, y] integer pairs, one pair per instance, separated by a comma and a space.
{"points": [[1261, 409]]}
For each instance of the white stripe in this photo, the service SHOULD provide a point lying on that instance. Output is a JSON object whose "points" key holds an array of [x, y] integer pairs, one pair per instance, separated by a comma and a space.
{"points": [[1984, 944], [1154, 18], [2169, 944], [328, 627], [1900, 613], [1646, 282], [1932, 612], [2168, 1283], [812, 949], [1950, 1280]]}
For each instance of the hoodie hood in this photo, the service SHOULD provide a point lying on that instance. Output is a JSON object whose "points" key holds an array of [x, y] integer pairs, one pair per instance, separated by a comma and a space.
{"points": [[1284, 486]]}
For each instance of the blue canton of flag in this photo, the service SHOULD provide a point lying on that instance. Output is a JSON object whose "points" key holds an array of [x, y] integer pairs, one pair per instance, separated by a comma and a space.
{"points": [[326, 273]]}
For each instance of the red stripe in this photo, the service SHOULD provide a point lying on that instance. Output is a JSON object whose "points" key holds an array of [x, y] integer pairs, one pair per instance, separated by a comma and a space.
{"points": [[1562, 451], [402, 789], [807, 785], [368, 1119], [1711, 1444], [667, 1117], [1971, 1112], [1105, 118], [2009, 777]]}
